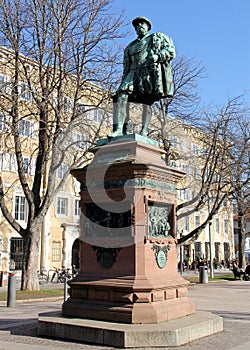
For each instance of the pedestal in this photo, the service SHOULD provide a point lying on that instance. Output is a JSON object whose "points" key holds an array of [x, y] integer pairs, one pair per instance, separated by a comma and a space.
{"points": [[128, 264]]}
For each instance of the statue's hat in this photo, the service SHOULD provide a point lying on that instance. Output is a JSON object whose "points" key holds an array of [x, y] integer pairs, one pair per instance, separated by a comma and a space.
{"points": [[141, 19]]}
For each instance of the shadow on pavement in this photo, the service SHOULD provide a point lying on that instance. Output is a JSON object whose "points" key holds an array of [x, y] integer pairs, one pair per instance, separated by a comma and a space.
{"points": [[25, 326]]}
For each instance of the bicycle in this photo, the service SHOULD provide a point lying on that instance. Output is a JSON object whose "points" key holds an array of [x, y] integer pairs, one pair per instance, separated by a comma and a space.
{"points": [[56, 274], [61, 275], [43, 276], [64, 275], [75, 271]]}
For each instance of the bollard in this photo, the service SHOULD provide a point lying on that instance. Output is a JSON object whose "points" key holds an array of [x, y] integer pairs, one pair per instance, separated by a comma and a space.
{"points": [[65, 288], [11, 295]]}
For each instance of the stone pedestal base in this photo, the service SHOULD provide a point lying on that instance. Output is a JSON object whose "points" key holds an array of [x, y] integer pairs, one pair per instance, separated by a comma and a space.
{"points": [[158, 295], [128, 270], [170, 333]]}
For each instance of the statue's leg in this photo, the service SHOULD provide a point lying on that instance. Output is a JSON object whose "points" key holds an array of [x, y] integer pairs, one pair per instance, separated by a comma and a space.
{"points": [[115, 98], [125, 125], [146, 117], [120, 112]]}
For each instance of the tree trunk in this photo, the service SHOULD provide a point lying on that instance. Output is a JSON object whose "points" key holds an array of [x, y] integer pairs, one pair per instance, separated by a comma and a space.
{"points": [[242, 239], [31, 260]]}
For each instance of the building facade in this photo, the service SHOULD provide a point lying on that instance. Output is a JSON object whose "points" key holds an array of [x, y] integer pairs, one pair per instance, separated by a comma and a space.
{"points": [[21, 105], [190, 156], [236, 237], [61, 230]]}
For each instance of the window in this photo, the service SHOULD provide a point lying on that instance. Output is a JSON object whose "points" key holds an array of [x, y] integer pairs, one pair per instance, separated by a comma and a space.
{"points": [[20, 208], [195, 194], [186, 223], [61, 171], [77, 209], [28, 67], [32, 166], [194, 149], [173, 164], [226, 251], [197, 221], [16, 253], [185, 168], [197, 173], [226, 227], [81, 108], [4, 122], [56, 251], [5, 84], [62, 206], [13, 163], [24, 128], [26, 162], [67, 104], [197, 248], [25, 92], [186, 194], [217, 251], [184, 146], [4, 161], [173, 141], [226, 203], [55, 100], [79, 141], [97, 115], [203, 152], [217, 225]]}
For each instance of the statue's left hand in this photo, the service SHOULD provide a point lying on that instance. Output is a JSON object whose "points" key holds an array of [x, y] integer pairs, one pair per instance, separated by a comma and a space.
{"points": [[154, 58]]}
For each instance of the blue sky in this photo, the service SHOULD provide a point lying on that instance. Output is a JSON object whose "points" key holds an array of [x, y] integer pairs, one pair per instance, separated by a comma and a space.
{"points": [[216, 33]]}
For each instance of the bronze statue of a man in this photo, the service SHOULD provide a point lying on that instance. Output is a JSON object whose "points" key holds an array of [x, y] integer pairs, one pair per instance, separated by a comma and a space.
{"points": [[147, 75]]}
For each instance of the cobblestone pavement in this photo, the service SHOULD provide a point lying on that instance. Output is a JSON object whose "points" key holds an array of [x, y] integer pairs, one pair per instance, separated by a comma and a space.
{"points": [[229, 299]]}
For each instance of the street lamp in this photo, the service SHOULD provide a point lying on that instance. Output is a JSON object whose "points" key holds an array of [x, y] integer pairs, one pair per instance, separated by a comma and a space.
{"points": [[210, 241], [181, 255]]}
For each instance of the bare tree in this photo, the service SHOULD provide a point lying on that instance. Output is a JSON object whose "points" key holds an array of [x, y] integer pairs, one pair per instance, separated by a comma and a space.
{"points": [[224, 165], [212, 132], [56, 55], [183, 106], [239, 138]]}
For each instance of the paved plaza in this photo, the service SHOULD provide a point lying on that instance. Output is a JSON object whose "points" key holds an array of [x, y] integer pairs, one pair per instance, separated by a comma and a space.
{"points": [[228, 299]]}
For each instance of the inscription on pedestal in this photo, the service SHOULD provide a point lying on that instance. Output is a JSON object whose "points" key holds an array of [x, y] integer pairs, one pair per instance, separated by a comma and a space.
{"points": [[161, 255], [134, 182]]}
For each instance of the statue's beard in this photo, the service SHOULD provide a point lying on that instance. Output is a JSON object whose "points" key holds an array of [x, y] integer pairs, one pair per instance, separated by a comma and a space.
{"points": [[141, 32]]}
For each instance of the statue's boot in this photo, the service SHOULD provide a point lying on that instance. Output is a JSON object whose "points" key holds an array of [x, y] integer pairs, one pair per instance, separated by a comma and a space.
{"points": [[116, 133], [146, 117], [121, 112]]}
